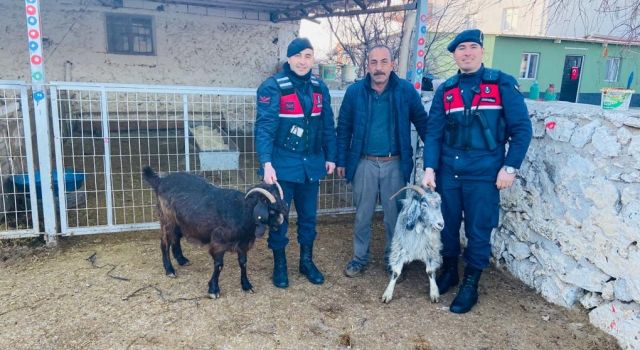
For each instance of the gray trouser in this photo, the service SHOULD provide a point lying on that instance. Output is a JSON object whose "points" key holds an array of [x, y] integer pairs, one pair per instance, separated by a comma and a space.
{"points": [[374, 178]]}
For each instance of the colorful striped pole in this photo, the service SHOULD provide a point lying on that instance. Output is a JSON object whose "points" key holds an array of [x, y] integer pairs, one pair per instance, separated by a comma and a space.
{"points": [[416, 61], [41, 114]]}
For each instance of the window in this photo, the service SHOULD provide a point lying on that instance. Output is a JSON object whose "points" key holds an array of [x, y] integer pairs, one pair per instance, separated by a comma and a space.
{"points": [[529, 65], [132, 35], [509, 19], [470, 21], [613, 67]]}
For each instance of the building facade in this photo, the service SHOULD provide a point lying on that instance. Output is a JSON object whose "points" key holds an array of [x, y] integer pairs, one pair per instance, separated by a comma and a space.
{"points": [[146, 42]]}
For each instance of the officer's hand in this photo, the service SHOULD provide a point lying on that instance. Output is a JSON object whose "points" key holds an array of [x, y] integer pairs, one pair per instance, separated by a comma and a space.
{"points": [[329, 166], [269, 174], [429, 179], [504, 179], [340, 171]]}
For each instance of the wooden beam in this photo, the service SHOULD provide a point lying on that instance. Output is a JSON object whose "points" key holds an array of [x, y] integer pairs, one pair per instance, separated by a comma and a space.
{"points": [[361, 4]]}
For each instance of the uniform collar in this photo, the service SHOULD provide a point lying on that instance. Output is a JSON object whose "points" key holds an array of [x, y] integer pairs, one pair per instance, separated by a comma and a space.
{"points": [[477, 73]]}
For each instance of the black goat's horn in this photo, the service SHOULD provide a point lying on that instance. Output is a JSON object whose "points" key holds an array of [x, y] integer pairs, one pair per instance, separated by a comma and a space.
{"points": [[279, 190], [410, 187], [266, 193]]}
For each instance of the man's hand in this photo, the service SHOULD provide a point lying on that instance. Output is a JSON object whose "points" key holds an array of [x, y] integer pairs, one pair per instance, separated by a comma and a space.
{"points": [[329, 166], [269, 174], [340, 171], [429, 179], [504, 180]]}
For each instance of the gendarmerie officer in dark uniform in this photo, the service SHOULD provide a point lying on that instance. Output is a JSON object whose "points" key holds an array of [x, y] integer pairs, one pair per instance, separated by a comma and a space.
{"points": [[295, 140], [474, 115]]}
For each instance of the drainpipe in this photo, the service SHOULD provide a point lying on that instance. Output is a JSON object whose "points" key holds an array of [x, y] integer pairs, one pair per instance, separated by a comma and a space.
{"points": [[68, 65]]}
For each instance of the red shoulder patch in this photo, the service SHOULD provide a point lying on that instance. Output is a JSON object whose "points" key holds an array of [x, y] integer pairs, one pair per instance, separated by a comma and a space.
{"points": [[264, 99]]}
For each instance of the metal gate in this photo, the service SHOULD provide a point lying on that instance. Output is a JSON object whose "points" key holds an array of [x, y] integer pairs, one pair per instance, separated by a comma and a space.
{"points": [[105, 133], [19, 190]]}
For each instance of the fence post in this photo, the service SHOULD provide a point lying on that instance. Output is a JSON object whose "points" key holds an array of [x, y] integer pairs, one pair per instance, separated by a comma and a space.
{"points": [[185, 116], [36, 60]]}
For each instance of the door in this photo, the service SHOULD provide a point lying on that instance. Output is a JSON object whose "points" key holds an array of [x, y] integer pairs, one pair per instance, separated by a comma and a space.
{"points": [[571, 78]]}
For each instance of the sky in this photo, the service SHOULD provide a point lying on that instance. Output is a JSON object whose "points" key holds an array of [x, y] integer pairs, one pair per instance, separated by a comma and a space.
{"points": [[319, 35]]}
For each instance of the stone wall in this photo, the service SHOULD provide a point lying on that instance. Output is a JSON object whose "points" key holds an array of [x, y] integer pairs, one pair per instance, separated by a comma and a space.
{"points": [[570, 226], [194, 45]]}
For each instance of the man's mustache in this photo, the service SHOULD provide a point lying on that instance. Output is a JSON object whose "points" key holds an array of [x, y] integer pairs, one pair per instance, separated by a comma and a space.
{"points": [[379, 73]]}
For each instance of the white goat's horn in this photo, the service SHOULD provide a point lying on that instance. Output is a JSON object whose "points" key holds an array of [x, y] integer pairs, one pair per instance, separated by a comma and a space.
{"points": [[266, 193], [279, 190], [410, 187]]}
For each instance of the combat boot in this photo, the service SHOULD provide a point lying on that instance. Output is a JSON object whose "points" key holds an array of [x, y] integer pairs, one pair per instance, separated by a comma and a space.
{"points": [[468, 293], [449, 275], [280, 278], [307, 267]]}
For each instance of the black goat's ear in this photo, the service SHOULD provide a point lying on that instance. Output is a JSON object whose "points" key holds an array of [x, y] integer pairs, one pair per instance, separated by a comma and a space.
{"points": [[260, 230]]}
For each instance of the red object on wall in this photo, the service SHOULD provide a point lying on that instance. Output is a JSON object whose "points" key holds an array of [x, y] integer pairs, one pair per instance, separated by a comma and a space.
{"points": [[574, 72]]}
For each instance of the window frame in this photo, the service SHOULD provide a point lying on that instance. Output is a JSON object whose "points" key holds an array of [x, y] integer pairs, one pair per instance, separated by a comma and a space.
{"points": [[606, 74], [116, 19], [528, 68], [505, 21]]}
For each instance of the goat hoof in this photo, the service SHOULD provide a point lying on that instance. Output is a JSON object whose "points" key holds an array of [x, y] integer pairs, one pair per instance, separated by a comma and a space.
{"points": [[184, 262], [386, 299], [214, 295], [249, 291], [171, 275]]}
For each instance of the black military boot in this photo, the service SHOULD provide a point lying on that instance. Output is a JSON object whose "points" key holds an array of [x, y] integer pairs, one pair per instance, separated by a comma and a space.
{"points": [[307, 267], [468, 292], [449, 275], [280, 278]]}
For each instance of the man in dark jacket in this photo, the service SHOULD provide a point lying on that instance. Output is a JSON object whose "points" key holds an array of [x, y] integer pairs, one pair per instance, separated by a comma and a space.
{"points": [[374, 148], [472, 117], [296, 145]]}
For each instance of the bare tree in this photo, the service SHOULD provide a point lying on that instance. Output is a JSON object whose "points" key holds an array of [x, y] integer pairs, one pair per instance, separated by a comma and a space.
{"points": [[358, 33]]}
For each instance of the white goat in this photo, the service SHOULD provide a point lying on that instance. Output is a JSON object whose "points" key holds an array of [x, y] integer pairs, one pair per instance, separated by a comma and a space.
{"points": [[417, 237]]}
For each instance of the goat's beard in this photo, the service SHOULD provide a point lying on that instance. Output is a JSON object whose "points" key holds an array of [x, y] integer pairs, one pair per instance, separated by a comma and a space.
{"points": [[260, 230]]}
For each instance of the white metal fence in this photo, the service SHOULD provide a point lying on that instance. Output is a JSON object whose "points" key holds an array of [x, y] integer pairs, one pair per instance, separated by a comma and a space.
{"points": [[104, 134], [19, 213]]}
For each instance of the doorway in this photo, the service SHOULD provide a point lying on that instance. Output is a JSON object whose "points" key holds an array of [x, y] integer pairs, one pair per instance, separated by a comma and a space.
{"points": [[571, 78]]}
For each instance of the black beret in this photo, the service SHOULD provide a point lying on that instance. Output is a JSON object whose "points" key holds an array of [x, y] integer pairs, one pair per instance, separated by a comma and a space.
{"points": [[469, 35], [297, 45]]}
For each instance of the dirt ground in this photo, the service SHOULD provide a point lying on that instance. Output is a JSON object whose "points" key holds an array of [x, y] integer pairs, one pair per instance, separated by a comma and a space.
{"points": [[110, 292]]}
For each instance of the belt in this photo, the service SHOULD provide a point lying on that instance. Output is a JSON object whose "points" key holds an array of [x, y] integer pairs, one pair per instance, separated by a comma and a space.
{"points": [[381, 158]]}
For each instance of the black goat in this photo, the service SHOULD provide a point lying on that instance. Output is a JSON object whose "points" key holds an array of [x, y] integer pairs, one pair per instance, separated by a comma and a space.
{"points": [[225, 219]]}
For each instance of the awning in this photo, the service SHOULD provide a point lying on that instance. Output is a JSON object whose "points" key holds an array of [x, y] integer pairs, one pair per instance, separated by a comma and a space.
{"points": [[290, 10]]}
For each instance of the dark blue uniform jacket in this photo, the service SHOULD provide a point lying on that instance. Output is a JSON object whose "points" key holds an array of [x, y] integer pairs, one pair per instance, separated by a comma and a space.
{"points": [[479, 164], [355, 116], [292, 166]]}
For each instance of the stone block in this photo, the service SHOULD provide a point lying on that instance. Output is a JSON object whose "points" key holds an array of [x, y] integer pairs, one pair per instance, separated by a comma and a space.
{"points": [[607, 144], [620, 320], [582, 135], [562, 128], [558, 292]]}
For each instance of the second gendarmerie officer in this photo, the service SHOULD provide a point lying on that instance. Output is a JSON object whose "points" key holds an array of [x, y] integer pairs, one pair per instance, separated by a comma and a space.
{"points": [[295, 140], [474, 115]]}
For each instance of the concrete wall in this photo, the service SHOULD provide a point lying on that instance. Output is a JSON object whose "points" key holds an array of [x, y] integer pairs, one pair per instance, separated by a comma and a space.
{"points": [[570, 225], [194, 45]]}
